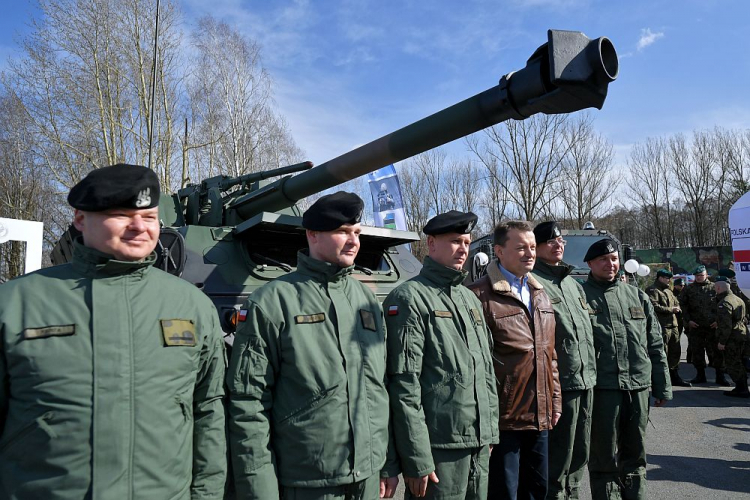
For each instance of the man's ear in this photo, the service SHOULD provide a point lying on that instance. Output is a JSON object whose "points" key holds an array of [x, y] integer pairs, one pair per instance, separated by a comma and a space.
{"points": [[498, 251], [79, 219]]}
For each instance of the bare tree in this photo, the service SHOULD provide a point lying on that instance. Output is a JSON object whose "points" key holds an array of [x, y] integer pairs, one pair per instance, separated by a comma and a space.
{"points": [[585, 187], [85, 79], [526, 159]]}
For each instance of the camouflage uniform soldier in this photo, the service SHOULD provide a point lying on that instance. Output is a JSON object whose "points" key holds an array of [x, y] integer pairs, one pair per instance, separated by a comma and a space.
{"points": [[667, 307], [699, 311], [732, 335]]}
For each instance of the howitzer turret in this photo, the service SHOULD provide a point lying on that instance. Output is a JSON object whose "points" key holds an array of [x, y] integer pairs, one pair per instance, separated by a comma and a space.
{"points": [[229, 236]]}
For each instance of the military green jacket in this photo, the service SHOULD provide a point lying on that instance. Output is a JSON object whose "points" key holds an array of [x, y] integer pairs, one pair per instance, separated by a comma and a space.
{"points": [[574, 340], [730, 317], [308, 400], [111, 384], [663, 301], [627, 339], [698, 303], [441, 380]]}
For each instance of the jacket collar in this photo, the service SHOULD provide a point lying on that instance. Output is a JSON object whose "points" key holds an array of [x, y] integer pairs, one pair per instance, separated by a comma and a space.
{"points": [[500, 284], [604, 285], [559, 271], [92, 262], [661, 286], [442, 275], [321, 270]]}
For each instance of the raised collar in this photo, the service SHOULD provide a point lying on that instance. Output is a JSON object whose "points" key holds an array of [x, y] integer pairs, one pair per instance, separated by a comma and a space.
{"points": [[605, 285], [661, 286], [321, 270], [501, 285], [442, 275], [93, 263], [559, 271]]}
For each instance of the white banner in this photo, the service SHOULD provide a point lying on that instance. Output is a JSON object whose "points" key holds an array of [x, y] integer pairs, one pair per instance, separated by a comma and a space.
{"points": [[739, 226], [25, 230]]}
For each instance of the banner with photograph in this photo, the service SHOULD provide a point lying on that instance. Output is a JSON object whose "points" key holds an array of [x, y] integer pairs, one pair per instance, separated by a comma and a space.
{"points": [[388, 206]]}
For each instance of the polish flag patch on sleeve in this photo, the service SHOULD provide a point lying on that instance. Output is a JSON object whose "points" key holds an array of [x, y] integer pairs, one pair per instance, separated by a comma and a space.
{"points": [[242, 315], [392, 310]]}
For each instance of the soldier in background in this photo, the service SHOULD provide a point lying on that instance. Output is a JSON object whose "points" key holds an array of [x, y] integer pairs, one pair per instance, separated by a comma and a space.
{"points": [[732, 335], [440, 375], [111, 370], [698, 306], [570, 439], [308, 402], [667, 307]]}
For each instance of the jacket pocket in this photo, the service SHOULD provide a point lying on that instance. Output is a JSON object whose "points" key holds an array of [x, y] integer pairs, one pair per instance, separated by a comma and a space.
{"points": [[313, 403], [38, 423], [185, 408]]}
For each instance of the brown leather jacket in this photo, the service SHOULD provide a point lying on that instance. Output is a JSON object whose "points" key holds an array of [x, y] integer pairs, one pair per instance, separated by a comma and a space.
{"points": [[525, 360]]}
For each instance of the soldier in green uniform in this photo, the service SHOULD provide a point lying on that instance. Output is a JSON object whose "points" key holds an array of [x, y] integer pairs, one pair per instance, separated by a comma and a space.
{"points": [[441, 379], [698, 306], [570, 439], [308, 400], [630, 360], [732, 335], [111, 371], [667, 307]]}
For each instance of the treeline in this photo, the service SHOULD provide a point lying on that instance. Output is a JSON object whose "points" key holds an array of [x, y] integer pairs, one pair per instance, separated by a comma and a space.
{"points": [[673, 192], [80, 97]]}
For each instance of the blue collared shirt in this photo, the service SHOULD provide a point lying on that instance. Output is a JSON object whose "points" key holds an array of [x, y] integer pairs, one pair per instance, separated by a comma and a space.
{"points": [[519, 286]]}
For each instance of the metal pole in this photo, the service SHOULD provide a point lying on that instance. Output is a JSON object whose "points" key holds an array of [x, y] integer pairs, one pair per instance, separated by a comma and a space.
{"points": [[153, 90]]}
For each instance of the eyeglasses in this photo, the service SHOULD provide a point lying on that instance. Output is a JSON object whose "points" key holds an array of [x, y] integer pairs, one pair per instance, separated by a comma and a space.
{"points": [[554, 243]]}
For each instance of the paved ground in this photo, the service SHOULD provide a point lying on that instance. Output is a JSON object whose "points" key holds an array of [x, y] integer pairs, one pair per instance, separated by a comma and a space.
{"points": [[699, 445]]}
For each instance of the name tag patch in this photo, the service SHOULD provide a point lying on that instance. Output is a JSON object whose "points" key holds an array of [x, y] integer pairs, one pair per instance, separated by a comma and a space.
{"points": [[368, 320], [310, 318], [555, 300], [443, 314], [49, 331], [178, 332], [637, 313]]}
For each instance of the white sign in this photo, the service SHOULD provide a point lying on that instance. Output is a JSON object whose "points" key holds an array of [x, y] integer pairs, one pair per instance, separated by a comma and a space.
{"points": [[25, 230], [739, 227]]}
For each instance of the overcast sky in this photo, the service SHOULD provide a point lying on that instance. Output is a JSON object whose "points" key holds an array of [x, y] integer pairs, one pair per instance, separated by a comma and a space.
{"points": [[348, 72]]}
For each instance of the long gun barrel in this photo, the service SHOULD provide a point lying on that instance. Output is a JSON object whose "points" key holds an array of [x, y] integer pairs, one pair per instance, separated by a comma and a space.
{"points": [[568, 73]]}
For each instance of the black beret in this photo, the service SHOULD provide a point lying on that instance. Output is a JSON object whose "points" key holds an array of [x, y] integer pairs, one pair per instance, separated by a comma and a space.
{"points": [[664, 272], [332, 211], [602, 247], [116, 186], [722, 278], [545, 231], [729, 273], [451, 222], [679, 282]]}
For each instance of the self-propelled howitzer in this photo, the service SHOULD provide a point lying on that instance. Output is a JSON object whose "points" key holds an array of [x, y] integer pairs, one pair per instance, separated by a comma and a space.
{"points": [[230, 236]]}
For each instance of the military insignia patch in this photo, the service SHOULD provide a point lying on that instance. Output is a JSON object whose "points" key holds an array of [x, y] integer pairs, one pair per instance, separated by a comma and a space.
{"points": [[49, 331], [310, 318], [368, 320], [392, 310], [178, 332], [476, 315], [443, 314], [555, 300]]}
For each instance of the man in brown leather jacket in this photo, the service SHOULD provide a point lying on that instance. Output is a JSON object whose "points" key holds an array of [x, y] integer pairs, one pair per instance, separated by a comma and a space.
{"points": [[522, 321]]}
